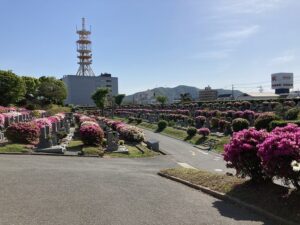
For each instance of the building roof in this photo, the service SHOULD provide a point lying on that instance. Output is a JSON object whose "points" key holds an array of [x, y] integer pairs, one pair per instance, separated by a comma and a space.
{"points": [[260, 94]]}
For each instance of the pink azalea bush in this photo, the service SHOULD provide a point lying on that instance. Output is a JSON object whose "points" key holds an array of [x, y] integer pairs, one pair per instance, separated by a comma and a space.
{"points": [[91, 133], [24, 132], [204, 132], [242, 153], [279, 150], [43, 122]]}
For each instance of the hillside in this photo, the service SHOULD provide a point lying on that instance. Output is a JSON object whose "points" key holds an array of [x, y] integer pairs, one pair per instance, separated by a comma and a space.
{"points": [[172, 93]]}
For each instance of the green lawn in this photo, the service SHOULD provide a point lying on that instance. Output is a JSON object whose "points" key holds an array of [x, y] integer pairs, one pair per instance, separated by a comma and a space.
{"points": [[134, 152], [14, 148], [273, 198]]}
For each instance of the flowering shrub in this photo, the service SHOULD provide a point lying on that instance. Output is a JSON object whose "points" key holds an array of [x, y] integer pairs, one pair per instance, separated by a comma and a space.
{"points": [[279, 150], [130, 133], [91, 133], [43, 122], [25, 133], [204, 132], [241, 153]]}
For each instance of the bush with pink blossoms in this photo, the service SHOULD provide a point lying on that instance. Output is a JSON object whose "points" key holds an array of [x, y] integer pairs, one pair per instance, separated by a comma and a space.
{"points": [[43, 122], [204, 132], [24, 133], [279, 150], [91, 133], [241, 153]]}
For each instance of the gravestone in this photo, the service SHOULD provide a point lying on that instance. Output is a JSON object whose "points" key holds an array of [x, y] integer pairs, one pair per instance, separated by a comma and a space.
{"points": [[67, 126], [1, 136], [45, 138], [112, 141]]}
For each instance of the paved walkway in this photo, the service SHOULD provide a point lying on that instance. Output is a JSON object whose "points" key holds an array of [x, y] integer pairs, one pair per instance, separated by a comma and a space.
{"points": [[187, 155], [50, 190]]}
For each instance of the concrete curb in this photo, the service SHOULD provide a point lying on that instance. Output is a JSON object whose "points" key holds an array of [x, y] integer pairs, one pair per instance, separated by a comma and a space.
{"points": [[223, 196]]}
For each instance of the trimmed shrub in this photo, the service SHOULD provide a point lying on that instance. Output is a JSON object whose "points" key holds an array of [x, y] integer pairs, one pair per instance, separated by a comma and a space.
{"points": [[131, 119], [91, 133], [279, 151], [204, 132], [138, 120], [264, 119], [191, 131], [24, 133], [214, 122], [162, 124], [292, 114], [200, 120], [241, 153], [239, 124], [277, 123]]}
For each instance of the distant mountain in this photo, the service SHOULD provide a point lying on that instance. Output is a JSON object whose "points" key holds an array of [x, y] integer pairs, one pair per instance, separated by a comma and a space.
{"points": [[171, 93]]}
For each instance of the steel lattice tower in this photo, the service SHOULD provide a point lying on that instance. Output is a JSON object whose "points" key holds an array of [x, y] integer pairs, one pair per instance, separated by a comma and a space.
{"points": [[84, 52]]}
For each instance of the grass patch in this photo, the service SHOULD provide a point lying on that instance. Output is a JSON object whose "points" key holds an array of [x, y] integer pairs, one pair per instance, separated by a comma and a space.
{"points": [[14, 148], [91, 150], [182, 135], [134, 152], [273, 198], [75, 145]]}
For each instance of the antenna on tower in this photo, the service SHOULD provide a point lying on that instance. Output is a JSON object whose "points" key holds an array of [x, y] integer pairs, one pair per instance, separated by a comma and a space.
{"points": [[84, 51]]}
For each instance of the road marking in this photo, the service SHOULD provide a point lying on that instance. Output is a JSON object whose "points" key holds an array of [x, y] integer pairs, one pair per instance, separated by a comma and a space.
{"points": [[204, 153], [185, 165], [218, 170]]}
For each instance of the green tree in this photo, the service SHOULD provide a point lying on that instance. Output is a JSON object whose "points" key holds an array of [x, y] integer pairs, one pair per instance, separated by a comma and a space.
{"points": [[119, 99], [32, 85], [161, 99], [12, 88], [100, 98], [51, 90], [185, 97]]}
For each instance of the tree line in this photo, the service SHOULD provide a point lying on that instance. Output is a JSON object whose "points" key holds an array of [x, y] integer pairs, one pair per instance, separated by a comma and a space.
{"points": [[29, 91]]}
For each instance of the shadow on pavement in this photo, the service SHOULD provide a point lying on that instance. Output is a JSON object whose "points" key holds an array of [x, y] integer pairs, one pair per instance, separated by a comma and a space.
{"points": [[229, 210]]}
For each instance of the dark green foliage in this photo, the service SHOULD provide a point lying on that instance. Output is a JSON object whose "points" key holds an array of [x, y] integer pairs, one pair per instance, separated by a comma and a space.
{"points": [[264, 120], [119, 98], [214, 122], [239, 124], [162, 124], [138, 120], [12, 88], [131, 119], [277, 123], [52, 90], [161, 99], [191, 131], [100, 98], [292, 114]]}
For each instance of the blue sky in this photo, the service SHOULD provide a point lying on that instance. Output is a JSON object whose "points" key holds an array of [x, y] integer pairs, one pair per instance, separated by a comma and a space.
{"points": [[151, 43]]}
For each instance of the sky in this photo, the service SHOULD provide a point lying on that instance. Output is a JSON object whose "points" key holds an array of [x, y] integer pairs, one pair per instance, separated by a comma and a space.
{"points": [[156, 43]]}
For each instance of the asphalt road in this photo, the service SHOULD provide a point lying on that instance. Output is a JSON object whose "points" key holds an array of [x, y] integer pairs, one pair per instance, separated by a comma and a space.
{"points": [[42, 190], [182, 152]]}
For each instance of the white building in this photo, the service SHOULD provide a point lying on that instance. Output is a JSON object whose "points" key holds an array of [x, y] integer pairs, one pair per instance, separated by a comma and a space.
{"points": [[81, 88]]}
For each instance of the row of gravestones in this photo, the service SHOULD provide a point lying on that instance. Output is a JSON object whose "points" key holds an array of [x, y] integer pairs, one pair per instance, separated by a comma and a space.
{"points": [[17, 119], [49, 137]]}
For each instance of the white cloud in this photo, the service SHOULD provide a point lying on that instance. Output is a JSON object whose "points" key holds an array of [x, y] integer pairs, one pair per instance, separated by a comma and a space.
{"points": [[239, 34], [287, 57], [250, 6]]}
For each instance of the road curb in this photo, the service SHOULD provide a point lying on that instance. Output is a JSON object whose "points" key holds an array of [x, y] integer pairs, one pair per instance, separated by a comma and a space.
{"points": [[236, 201]]}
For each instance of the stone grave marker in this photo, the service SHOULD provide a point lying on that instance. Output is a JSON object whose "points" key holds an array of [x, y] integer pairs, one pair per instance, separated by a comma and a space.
{"points": [[45, 138], [112, 141]]}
